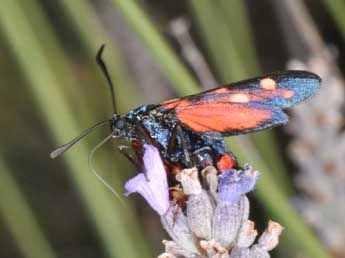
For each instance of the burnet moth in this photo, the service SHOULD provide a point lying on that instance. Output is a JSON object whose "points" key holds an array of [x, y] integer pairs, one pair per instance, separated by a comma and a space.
{"points": [[190, 131]]}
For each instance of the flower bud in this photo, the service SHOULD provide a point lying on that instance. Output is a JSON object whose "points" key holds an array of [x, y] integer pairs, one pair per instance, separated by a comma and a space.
{"points": [[199, 214], [247, 234], [227, 221], [210, 175], [270, 238], [189, 180], [176, 225], [214, 249]]}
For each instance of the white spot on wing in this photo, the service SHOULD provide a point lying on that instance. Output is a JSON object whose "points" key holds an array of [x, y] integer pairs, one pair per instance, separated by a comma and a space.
{"points": [[239, 98], [268, 84]]}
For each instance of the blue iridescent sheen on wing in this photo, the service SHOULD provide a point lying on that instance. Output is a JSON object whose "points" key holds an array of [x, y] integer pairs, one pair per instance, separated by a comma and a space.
{"points": [[301, 84]]}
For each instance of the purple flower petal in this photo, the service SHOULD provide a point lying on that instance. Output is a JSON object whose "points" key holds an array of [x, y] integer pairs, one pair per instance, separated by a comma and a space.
{"points": [[153, 187], [233, 184]]}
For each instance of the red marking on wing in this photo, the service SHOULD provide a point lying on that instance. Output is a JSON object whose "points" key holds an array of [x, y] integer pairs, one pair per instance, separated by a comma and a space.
{"points": [[220, 91], [288, 94], [225, 162], [170, 104], [221, 117]]}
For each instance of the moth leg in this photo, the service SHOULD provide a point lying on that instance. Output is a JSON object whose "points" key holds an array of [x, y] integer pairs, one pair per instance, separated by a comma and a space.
{"points": [[144, 133], [178, 131], [205, 148], [184, 146], [172, 141], [204, 156], [223, 158], [124, 150]]}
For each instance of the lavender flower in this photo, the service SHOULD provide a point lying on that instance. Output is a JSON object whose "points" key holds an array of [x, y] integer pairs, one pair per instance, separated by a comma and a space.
{"points": [[213, 222], [154, 185]]}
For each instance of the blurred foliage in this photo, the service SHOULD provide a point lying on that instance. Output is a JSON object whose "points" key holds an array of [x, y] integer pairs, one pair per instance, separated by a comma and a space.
{"points": [[52, 90]]}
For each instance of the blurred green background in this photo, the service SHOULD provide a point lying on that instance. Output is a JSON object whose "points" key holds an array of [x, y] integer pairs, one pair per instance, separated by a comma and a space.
{"points": [[52, 89]]}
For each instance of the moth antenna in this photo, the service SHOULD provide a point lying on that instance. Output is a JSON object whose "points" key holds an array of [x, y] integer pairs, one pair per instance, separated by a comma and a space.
{"points": [[104, 69], [68, 145], [90, 156]]}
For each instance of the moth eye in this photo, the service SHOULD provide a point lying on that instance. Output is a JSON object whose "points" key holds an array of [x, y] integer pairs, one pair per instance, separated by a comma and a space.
{"points": [[120, 124]]}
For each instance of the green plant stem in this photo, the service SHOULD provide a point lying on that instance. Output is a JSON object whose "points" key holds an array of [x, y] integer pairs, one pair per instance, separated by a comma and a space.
{"points": [[238, 24], [221, 46], [20, 219], [92, 34], [57, 59], [337, 10], [162, 52]]}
